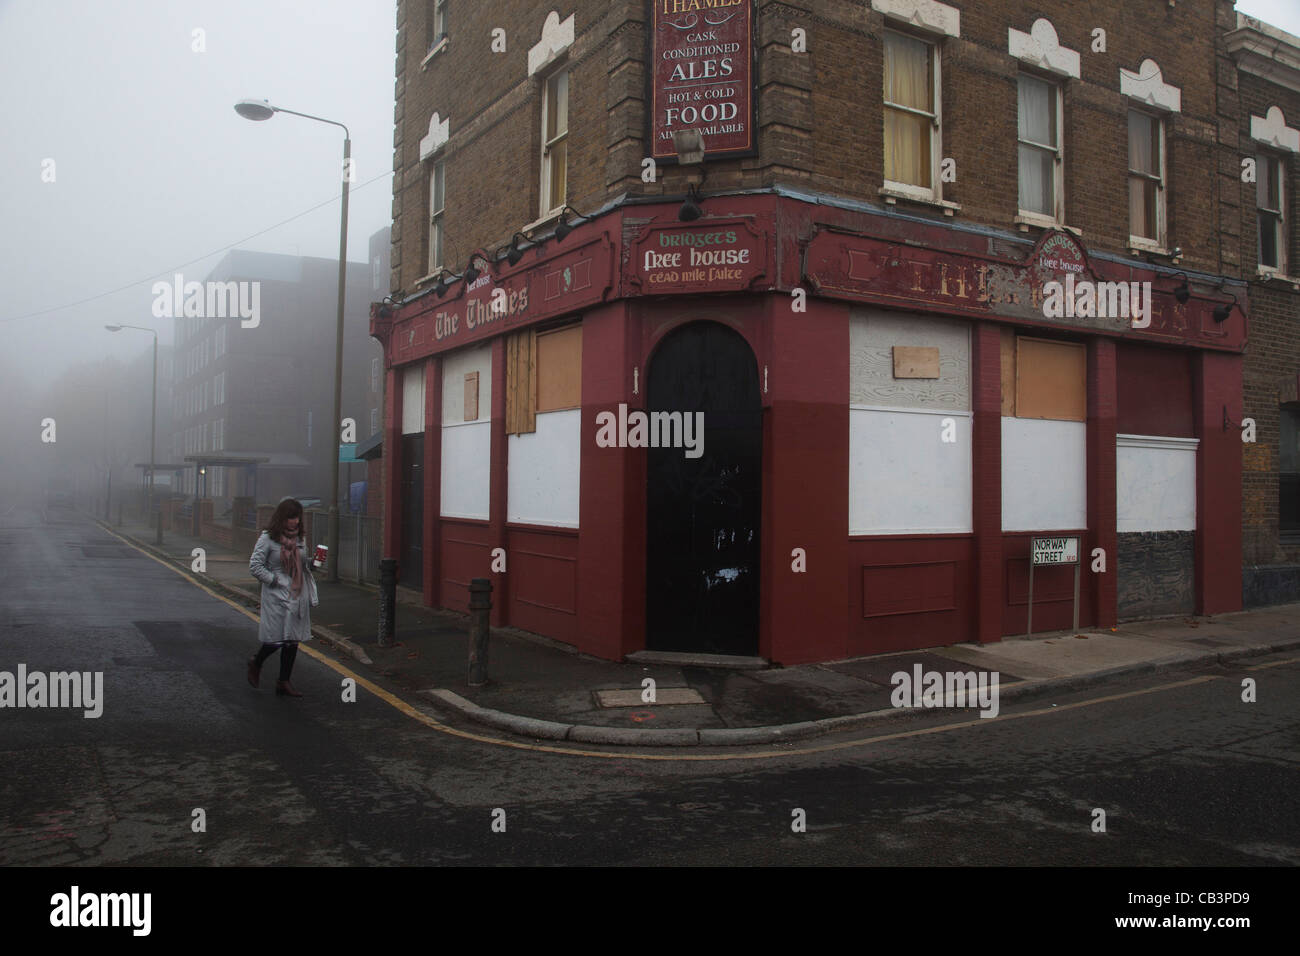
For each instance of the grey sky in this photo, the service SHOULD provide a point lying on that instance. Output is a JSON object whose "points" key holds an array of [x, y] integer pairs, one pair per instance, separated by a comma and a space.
{"points": [[153, 166]]}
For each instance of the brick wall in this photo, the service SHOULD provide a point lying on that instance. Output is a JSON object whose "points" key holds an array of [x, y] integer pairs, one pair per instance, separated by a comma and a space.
{"points": [[819, 116], [1274, 352]]}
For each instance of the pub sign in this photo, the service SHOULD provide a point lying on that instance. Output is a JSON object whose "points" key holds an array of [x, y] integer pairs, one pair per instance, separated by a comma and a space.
{"points": [[702, 77]]}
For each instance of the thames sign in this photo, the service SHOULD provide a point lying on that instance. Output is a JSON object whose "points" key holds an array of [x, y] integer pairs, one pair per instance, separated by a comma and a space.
{"points": [[702, 76]]}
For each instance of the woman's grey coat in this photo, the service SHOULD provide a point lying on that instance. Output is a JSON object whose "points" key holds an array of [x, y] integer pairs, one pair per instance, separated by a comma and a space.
{"points": [[283, 618]]}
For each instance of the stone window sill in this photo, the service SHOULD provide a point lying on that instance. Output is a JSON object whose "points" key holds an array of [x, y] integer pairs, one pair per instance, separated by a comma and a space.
{"points": [[434, 51], [1027, 219], [1269, 275], [1139, 244], [892, 194], [544, 220]]}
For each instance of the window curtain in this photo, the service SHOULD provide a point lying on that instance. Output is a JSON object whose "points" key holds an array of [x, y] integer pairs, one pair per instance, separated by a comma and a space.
{"points": [[1036, 105], [1144, 163], [907, 135], [1268, 199]]}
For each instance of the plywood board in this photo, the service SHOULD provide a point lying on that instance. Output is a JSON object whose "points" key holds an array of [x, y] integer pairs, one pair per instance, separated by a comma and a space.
{"points": [[916, 361], [471, 396], [1008, 345], [1051, 380], [559, 369], [521, 385]]}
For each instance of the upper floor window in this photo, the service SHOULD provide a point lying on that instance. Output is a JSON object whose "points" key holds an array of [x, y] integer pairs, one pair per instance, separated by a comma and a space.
{"points": [[911, 113], [1270, 171], [374, 374], [437, 22], [1039, 142], [1146, 177], [437, 196], [555, 132]]}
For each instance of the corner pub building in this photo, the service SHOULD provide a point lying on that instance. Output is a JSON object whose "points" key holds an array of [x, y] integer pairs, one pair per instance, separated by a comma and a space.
{"points": [[956, 281]]}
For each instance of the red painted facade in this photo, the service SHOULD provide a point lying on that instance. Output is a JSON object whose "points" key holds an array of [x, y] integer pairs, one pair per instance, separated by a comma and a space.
{"points": [[859, 594]]}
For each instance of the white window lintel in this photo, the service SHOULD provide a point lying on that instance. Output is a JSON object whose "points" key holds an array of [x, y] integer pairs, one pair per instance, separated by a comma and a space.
{"points": [[557, 37], [1148, 87], [1041, 47], [439, 132], [1272, 130], [929, 15]]}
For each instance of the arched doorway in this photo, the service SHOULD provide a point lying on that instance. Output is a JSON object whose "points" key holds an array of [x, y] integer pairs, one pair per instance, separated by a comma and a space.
{"points": [[703, 514]]}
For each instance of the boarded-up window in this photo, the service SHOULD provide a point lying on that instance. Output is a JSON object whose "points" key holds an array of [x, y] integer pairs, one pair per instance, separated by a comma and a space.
{"points": [[1051, 380], [559, 369], [521, 392]]}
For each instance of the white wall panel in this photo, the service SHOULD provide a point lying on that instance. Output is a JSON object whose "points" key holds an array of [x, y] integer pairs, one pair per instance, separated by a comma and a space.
{"points": [[466, 456], [903, 478], [1044, 476], [544, 471], [413, 400], [1155, 482]]}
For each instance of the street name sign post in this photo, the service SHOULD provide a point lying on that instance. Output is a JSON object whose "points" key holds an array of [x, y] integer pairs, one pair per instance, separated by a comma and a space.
{"points": [[1060, 550]]}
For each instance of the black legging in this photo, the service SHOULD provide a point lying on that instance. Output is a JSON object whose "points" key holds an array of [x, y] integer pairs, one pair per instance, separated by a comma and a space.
{"points": [[288, 651]]}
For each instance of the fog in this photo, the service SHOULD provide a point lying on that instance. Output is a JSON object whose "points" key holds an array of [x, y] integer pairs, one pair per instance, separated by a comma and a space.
{"points": [[124, 163]]}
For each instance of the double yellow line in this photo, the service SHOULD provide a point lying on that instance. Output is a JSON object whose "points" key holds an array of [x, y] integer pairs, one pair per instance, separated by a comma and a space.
{"points": [[436, 725]]}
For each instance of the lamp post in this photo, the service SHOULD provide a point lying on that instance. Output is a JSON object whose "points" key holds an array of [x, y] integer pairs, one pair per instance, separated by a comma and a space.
{"points": [[153, 421], [259, 110]]}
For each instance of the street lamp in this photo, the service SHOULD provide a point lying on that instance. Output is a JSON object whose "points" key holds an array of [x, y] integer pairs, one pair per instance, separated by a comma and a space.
{"points": [[259, 110], [153, 421]]}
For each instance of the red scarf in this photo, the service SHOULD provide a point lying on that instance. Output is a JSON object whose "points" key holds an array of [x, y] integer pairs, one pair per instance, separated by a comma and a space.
{"points": [[291, 560]]}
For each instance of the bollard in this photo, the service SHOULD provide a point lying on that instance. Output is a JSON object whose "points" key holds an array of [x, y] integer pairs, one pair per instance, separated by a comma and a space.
{"points": [[387, 600], [480, 607]]}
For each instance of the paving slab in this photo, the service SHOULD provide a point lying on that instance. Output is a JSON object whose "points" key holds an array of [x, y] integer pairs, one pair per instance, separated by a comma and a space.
{"points": [[664, 696], [542, 689]]}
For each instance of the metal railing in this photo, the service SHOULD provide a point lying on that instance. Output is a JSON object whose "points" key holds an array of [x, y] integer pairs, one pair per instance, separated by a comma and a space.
{"points": [[361, 543]]}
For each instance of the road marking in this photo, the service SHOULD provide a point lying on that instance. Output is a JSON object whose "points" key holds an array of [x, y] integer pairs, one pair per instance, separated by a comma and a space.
{"points": [[1260, 667], [403, 707]]}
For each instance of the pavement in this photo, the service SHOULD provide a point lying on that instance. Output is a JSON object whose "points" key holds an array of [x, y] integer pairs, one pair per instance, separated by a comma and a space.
{"points": [[543, 689]]}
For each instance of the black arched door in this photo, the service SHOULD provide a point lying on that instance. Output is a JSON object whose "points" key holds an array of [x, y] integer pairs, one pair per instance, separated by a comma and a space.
{"points": [[703, 513]]}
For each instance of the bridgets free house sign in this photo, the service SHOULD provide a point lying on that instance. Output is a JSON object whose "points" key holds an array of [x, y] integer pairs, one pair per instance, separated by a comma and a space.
{"points": [[702, 76]]}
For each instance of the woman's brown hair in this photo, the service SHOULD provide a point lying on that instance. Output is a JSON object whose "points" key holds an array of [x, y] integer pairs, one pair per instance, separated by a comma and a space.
{"points": [[289, 508]]}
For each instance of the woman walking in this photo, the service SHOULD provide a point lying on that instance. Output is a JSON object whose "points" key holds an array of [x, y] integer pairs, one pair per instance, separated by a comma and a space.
{"points": [[279, 562]]}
